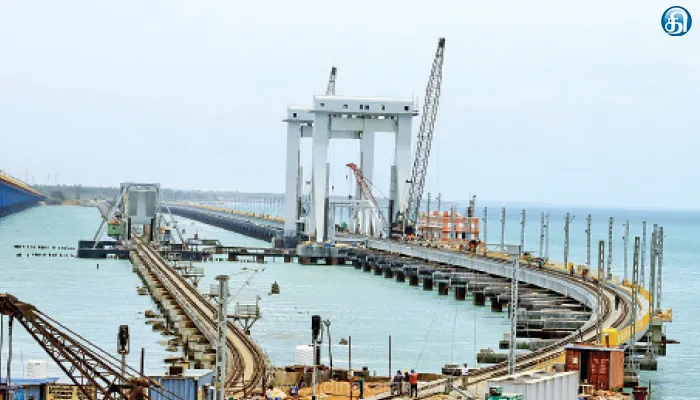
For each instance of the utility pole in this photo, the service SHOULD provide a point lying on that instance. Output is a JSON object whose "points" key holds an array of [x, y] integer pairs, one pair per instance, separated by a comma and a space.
{"points": [[610, 244], [589, 218], [486, 225], [546, 239], [659, 266], [522, 231], [652, 266], [643, 252], [429, 229], [221, 328], [626, 242], [632, 364], [601, 265], [452, 223], [514, 252], [541, 252], [315, 331], [567, 222], [503, 229], [471, 213]]}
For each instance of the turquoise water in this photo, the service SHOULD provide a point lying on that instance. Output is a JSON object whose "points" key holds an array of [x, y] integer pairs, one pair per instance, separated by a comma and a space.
{"points": [[427, 330], [74, 292]]}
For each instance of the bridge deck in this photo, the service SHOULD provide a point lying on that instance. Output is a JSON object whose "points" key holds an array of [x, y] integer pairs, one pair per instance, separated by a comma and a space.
{"points": [[247, 362], [585, 291]]}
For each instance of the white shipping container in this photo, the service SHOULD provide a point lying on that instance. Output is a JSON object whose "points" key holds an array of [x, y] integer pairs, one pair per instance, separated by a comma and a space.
{"points": [[304, 355], [541, 385], [36, 369]]}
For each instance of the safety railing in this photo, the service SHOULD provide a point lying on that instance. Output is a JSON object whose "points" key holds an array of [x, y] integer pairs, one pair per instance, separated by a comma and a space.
{"points": [[230, 211], [548, 363], [642, 323]]}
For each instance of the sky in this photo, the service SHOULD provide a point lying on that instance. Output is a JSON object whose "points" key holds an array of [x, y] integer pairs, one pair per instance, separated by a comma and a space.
{"points": [[546, 102]]}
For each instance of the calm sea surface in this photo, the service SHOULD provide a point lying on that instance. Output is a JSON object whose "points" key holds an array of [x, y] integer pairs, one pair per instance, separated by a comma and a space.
{"points": [[427, 330]]}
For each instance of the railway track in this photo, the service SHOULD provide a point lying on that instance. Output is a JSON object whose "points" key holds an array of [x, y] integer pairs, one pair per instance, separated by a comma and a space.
{"points": [[531, 360], [247, 363]]}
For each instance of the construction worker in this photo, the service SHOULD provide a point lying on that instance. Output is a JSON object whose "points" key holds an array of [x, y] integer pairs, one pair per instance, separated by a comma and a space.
{"points": [[617, 302], [361, 385], [465, 372], [397, 383], [406, 384], [413, 381]]}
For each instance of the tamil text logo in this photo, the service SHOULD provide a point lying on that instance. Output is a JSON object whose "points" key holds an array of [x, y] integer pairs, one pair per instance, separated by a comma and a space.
{"points": [[676, 21]]}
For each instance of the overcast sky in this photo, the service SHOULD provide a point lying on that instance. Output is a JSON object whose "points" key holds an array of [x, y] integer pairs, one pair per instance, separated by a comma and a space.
{"points": [[557, 102]]}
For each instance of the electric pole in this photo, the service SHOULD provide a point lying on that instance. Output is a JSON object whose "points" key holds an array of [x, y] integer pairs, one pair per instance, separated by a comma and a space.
{"points": [[601, 265], [610, 244], [503, 229], [486, 223], [515, 253], [221, 329]]}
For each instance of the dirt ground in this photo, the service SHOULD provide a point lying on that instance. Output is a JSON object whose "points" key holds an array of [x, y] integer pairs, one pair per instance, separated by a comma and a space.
{"points": [[334, 390]]}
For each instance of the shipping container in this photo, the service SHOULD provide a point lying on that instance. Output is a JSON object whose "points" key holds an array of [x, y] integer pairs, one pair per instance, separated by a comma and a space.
{"points": [[602, 367], [187, 386], [541, 385]]}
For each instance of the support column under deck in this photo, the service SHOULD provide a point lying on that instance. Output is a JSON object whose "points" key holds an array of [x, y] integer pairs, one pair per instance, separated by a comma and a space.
{"points": [[319, 172], [402, 159], [291, 196]]}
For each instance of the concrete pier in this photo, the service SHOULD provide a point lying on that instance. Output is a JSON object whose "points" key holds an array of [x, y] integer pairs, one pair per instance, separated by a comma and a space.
{"points": [[488, 356], [459, 284], [443, 281], [426, 275], [388, 270], [400, 274], [479, 298], [497, 303]]}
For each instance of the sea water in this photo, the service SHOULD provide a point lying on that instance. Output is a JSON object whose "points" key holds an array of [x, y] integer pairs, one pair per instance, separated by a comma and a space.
{"points": [[426, 330]]}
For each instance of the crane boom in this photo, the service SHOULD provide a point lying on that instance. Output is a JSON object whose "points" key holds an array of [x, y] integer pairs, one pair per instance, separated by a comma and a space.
{"points": [[330, 90], [425, 138], [366, 193], [97, 374]]}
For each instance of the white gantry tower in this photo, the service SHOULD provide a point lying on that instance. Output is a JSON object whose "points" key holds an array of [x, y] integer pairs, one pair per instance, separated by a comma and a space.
{"points": [[341, 117]]}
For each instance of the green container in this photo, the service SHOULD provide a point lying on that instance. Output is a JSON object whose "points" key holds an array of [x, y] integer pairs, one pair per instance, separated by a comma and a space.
{"points": [[114, 229], [497, 394]]}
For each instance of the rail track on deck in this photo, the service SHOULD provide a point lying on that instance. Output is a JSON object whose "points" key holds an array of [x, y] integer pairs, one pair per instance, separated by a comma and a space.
{"points": [[535, 358], [247, 363], [553, 351]]}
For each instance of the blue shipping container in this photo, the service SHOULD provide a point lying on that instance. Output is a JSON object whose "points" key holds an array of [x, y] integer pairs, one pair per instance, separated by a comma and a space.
{"points": [[186, 386]]}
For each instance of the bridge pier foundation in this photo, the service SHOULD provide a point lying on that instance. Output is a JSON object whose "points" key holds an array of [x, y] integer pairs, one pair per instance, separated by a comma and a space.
{"points": [[460, 293], [479, 298]]}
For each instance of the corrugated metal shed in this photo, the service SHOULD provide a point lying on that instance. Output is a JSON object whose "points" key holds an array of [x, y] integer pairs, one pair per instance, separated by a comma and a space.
{"points": [[541, 385], [602, 367], [187, 386], [29, 389]]}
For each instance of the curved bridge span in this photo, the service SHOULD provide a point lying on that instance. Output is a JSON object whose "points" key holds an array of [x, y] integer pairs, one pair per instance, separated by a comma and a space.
{"points": [[548, 278]]}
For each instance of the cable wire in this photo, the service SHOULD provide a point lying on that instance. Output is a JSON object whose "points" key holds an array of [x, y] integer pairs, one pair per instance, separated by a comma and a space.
{"points": [[430, 329]]}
